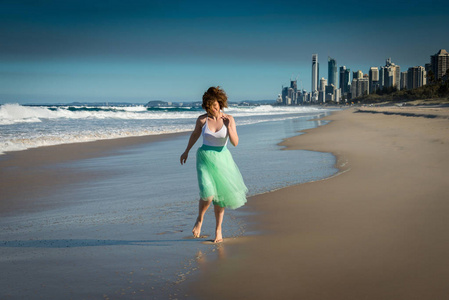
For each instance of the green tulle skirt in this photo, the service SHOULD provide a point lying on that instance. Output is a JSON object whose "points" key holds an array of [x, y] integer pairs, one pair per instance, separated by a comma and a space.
{"points": [[219, 177]]}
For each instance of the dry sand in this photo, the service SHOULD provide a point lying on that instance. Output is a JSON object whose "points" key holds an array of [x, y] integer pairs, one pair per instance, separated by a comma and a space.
{"points": [[379, 230]]}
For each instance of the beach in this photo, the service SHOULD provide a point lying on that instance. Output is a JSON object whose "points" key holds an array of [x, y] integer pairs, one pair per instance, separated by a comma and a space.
{"points": [[349, 205], [377, 230], [113, 218]]}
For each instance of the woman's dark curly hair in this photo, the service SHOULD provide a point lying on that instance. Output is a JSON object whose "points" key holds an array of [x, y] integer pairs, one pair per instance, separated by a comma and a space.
{"points": [[214, 94]]}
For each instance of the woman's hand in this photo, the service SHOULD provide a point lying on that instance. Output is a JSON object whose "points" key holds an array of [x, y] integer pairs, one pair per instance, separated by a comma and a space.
{"points": [[226, 120], [229, 122], [193, 137], [184, 157]]}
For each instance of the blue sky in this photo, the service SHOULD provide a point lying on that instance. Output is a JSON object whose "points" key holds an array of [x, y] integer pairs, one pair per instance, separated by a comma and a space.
{"points": [[136, 51]]}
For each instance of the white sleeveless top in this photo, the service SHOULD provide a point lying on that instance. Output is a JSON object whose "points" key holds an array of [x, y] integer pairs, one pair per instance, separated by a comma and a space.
{"points": [[215, 139]]}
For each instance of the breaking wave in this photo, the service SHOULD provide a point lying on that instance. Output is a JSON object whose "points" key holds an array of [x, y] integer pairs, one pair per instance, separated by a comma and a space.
{"points": [[23, 127]]}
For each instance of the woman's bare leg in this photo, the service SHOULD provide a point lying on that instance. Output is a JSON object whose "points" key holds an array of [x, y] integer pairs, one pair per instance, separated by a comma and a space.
{"points": [[219, 213], [202, 208]]}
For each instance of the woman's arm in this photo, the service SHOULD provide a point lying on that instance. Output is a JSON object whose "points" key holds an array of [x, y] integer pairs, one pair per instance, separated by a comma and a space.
{"points": [[229, 121], [193, 138]]}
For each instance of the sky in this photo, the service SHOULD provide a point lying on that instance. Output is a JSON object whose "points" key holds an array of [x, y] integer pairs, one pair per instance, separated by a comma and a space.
{"points": [[59, 51]]}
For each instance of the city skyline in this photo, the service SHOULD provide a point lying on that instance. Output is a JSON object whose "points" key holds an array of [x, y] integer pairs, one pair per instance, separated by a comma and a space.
{"points": [[381, 79], [74, 51]]}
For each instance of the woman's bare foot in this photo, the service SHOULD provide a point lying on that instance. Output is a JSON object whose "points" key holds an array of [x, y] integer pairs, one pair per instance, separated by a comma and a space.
{"points": [[218, 236], [197, 228]]}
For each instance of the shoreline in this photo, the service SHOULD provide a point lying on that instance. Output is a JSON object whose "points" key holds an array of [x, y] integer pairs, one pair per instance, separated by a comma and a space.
{"points": [[341, 162], [375, 231], [76, 150], [29, 172]]}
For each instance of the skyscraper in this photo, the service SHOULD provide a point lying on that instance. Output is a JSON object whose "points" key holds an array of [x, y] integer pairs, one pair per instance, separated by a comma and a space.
{"points": [[397, 77], [323, 83], [357, 75], [359, 87], [416, 77], [284, 95], [381, 77], [404, 85], [314, 73], [362, 86], [332, 71], [388, 77], [294, 85], [345, 79], [392, 75], [329, 93], [294, 91], [321, 92], [373, 79], [439, 63]]}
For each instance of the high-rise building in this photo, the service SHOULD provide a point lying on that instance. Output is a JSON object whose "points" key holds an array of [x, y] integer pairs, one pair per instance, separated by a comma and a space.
{"points": [[329, 93], [353, 88], [323, 83], [338, 95], [397, 76], [357, 75], [299, 98], [439, 64], [284, 95], [381, 77], [305, 97], [345, 80], [321, 96], [373, 79], [294, 84], [332, 71], [359, 87], [392, 75], [342, 77], [416, 77], [314, 73], [290, 96], [363, 86], [374, 74], [388, 77], [403, 80], [293, 91]]}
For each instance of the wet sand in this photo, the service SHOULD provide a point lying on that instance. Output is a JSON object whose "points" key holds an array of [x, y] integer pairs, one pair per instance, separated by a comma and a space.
{"points": [[376, 231], [75, 227], [35, 171]]}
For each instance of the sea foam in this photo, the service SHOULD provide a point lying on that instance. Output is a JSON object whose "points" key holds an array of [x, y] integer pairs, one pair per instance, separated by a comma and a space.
{"points": [[23, 127]]}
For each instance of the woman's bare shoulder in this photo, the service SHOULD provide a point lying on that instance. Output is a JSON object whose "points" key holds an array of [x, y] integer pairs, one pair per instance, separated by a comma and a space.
{"points": [[228, 116], [201, 119]]}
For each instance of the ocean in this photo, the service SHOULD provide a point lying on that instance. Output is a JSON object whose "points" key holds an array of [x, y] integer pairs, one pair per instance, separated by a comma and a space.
{"points": [[124, 228], [24, 127]]}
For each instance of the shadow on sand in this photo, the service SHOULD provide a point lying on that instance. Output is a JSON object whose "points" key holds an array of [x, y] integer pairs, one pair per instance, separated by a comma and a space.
{"points": [[73, 243]]}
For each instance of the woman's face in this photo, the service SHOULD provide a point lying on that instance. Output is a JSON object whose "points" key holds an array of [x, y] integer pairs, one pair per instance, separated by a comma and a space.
{"points": [[214, 110]]}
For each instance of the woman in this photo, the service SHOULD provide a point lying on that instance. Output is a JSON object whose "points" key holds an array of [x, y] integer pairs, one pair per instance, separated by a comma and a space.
{"points": [[219, 178]]}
